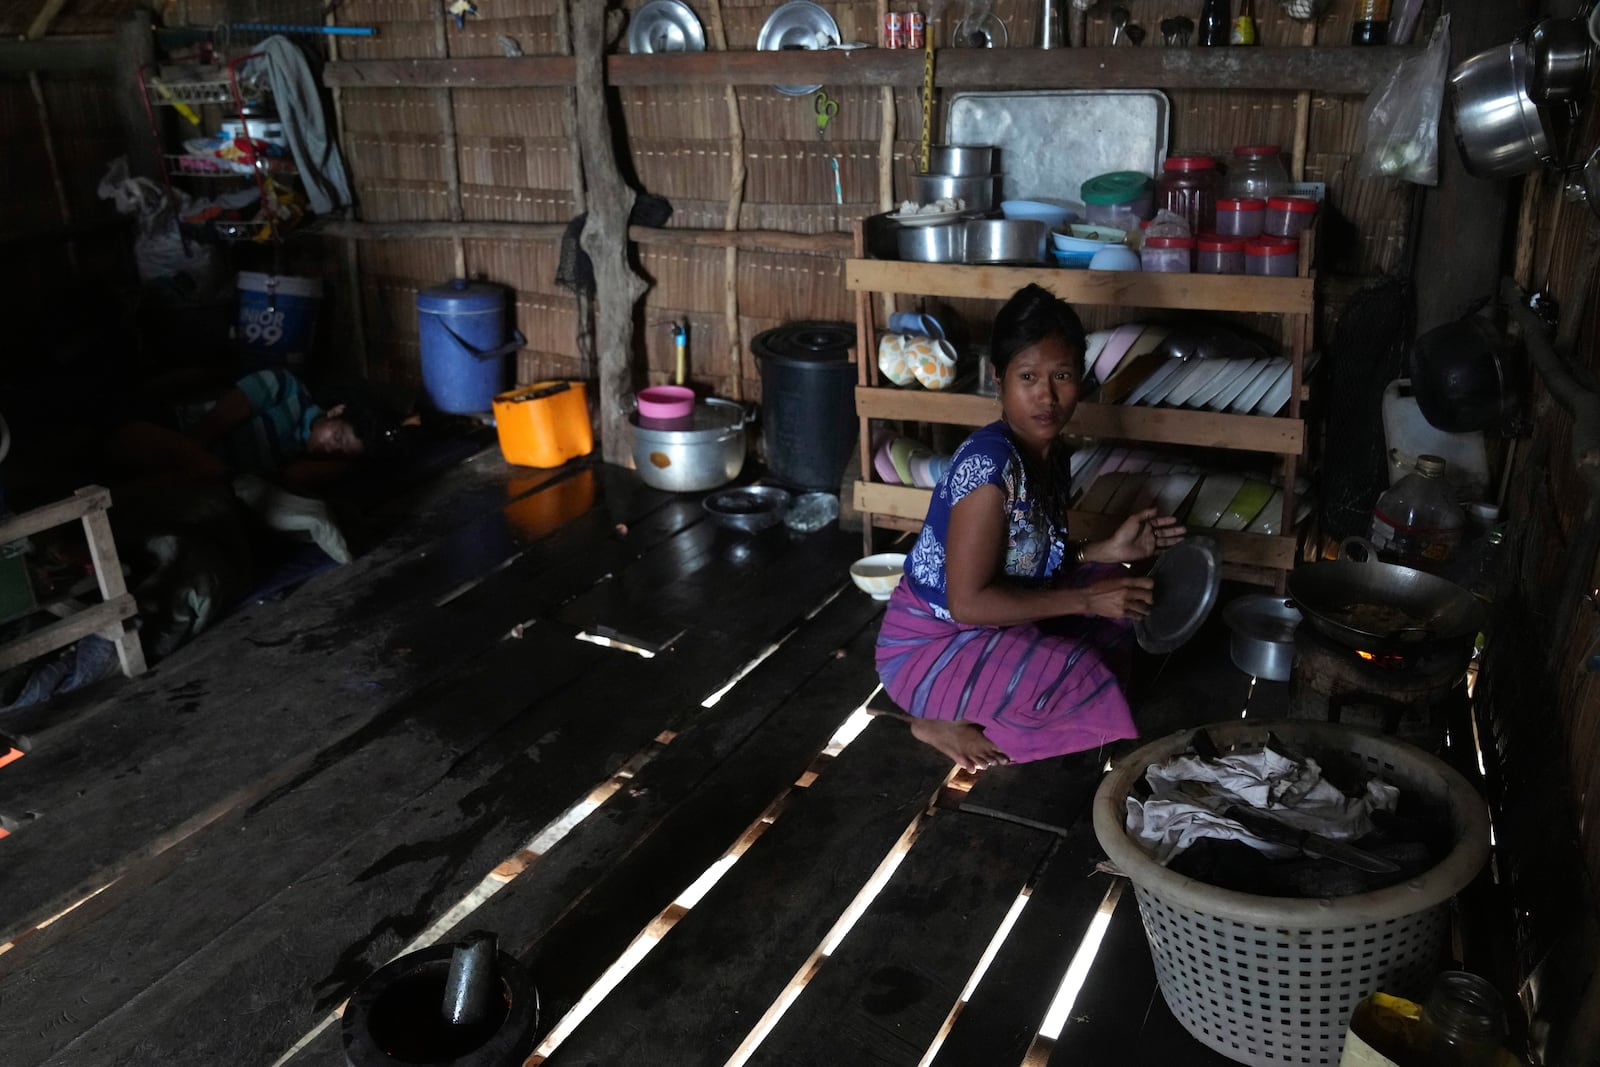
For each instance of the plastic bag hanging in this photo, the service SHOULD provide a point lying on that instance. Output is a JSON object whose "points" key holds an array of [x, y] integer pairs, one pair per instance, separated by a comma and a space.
{"points": [[1402, 115]]}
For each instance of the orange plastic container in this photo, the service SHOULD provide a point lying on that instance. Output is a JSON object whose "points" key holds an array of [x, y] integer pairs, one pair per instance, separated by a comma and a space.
{"points": [[544, 424]]}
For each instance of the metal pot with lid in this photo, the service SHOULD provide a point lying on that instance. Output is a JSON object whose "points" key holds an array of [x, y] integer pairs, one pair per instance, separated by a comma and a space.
{"points": [[705, 454]]}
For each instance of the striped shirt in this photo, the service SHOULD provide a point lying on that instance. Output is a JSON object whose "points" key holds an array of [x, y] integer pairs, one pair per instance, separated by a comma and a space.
{"points": [[282, 412]]}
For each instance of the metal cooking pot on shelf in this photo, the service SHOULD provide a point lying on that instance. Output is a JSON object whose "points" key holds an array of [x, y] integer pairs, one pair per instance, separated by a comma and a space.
{"points": [[1499, 129], [705, 454], [1381, 607], [1560, 60]]}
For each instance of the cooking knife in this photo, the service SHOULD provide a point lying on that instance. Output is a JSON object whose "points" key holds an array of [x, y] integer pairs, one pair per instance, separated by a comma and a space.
{"points": [[1269, 829]]}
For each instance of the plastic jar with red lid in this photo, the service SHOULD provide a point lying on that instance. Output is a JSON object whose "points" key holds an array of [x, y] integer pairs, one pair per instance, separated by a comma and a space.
{"points": [[1218, 253], [1188, 187], [1269, 256], [1169, 255], [1240, 216], [1288, 216]]}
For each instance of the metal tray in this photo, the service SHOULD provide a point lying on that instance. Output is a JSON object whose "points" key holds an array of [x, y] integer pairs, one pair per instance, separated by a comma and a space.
{"points": [[1054, 140]]}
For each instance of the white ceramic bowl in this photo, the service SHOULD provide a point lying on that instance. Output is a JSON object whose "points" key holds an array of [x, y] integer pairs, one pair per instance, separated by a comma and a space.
{"points": [[878, 575], [1115, 257]]}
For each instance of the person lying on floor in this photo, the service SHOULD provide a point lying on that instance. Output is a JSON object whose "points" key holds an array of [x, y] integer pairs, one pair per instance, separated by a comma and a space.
{"points": [[1006, 642], [270, 440]]}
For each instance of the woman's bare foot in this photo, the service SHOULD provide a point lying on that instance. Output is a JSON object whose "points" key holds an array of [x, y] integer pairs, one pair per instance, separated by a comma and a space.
{"points": [[963, 742]]}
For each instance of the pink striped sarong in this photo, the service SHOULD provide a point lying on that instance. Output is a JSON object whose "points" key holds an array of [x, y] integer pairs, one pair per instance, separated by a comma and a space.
{"points": [[1038, 690]]}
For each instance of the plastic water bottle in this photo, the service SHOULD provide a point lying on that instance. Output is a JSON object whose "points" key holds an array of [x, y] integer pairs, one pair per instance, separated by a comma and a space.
{"points": [[1417, 522]]}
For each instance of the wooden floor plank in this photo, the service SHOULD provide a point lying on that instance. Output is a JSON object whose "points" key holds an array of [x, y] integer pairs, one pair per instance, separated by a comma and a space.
{"points": [[884, 994], [1005, 1011], [1122, 1007], [357, 909], [173, 756], [1048, 794], [692, 1001]]}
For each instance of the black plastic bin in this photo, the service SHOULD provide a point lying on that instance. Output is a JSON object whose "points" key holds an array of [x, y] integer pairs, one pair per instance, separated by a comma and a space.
{"points": [[808, 409]]}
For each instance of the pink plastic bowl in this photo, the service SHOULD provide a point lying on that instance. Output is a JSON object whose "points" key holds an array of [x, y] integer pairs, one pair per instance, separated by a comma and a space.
{"points": [[666, 402]]}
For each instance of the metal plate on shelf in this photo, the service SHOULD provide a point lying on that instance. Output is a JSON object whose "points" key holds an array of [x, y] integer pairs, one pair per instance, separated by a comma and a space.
{"points": [[1054, 140], [798, 24], [665, 26]]}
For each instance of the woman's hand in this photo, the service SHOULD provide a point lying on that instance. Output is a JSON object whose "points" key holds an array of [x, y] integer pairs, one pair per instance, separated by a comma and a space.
{"points": [[1140, 536], [1120, 598]]}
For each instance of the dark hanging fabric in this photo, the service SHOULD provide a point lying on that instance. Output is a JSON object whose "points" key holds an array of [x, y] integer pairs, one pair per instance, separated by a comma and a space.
{"points": [[1368, 352], [576, 271]]}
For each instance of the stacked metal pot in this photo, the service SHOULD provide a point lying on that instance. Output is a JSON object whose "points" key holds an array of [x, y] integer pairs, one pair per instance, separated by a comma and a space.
{"points": [[1505, 100], [971, 175]]}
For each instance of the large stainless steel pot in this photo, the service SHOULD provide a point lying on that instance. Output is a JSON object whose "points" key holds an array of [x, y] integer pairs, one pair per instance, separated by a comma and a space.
{"points": [[963, 161], [946, 243], [1383, 607], [1499, 129], [1560, 58], [708, 453], [1006, 240], [976, 193], [1261, 635]]}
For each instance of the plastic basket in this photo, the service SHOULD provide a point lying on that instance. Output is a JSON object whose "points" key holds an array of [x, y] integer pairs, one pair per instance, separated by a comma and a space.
{"points": [[1273, 980]]}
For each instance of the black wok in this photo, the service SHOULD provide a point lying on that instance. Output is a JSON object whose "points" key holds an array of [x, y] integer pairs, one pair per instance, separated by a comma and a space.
{"points": [[1383, 607]]}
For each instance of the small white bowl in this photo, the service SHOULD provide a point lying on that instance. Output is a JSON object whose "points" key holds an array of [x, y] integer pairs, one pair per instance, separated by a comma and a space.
{"points": [[878, 575], [1115, 257]]}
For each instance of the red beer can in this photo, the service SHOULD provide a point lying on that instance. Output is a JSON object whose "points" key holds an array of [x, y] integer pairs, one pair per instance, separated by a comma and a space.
{"points": [[914, 29], [894, 33]]}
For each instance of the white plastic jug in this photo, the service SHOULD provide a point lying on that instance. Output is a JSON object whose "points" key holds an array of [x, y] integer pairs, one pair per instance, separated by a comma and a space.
{"points": [[1407, 435]]}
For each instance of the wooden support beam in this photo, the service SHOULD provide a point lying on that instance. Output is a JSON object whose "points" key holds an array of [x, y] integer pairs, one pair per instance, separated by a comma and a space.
{"points": [[67, 55], [820, 244], [136, 50], [605, 236], [1326, 70], [41, 22]]}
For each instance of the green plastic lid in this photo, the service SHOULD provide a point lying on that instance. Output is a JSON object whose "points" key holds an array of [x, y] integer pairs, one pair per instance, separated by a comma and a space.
{"points": [[1118, 187]]}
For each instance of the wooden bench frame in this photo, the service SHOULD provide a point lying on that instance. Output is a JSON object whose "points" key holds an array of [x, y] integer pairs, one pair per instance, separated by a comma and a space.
{"points": [[109, 617]]}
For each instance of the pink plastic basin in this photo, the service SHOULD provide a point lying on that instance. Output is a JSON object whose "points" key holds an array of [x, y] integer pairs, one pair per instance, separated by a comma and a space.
{"points": [[666, 402]]}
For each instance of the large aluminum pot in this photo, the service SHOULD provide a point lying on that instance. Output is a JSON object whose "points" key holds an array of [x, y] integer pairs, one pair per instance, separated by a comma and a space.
{"points": [[976, 193], [963, 161], [1261, 635], [946, 243], [1499, 129], [1006, 240], [707, 453]]}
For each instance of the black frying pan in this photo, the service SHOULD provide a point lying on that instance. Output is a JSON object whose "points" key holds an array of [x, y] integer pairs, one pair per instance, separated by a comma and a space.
{"points": [[1383, 607]]}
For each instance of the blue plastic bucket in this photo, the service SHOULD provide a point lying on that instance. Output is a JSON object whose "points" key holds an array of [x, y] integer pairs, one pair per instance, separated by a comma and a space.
{"points": [[462, 330], [277, 318]]}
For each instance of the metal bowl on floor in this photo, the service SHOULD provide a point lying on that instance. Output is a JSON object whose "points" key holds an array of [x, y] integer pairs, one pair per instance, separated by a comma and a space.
{"points": [[750, 508]]}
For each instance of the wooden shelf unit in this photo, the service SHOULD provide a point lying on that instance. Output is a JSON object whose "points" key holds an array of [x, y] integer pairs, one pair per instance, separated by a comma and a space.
{"points": [[1260, 558]]}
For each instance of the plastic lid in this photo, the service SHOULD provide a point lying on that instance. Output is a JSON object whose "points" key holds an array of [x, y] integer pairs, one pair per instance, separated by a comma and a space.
{"points": [[1189, 163], [1271, 246], [1257, 150], [1118, 187], [461, 295], [806, 345], [1243, 203], [1484, 514], [1291, 203], [1169, 242], [1218, 242], [1430, 466]]}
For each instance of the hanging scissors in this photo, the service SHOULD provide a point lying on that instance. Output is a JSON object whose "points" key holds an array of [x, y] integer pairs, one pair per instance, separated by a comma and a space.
{"points": [[827, 107]]}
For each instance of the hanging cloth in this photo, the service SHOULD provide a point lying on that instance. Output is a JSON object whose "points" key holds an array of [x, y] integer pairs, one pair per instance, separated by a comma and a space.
{"points": [[294, 90]]}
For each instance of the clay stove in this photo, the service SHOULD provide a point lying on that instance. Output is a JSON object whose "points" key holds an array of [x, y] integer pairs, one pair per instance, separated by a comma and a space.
{"points": [[1404, 695]]}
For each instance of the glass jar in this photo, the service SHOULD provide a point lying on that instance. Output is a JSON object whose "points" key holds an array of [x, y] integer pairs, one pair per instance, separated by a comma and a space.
{"points": [[1121, 199], [1257, 171], [1216, 253], [1462, 1024], [1170, 255], [1188, 188], [1272, 257], [1416, 521], [1241, 216], [1288, 216]]}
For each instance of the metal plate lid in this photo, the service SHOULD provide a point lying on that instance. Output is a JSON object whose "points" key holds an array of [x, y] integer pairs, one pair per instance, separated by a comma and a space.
{"points": [[1187, 578], [665, 26], [798, 24]]}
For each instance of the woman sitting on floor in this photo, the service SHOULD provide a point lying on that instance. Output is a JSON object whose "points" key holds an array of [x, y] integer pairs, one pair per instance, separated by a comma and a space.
{"points": [[1004, 642]]}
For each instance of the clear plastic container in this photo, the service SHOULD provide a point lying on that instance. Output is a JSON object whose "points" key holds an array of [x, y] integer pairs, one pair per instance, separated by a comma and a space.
{"points": [[1417, 522], [1288, 216], [1241, 216], [1272, 257], [1216, 253], [1171, 255], [1123, 199], [1257, 171], [1188, 187]]}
